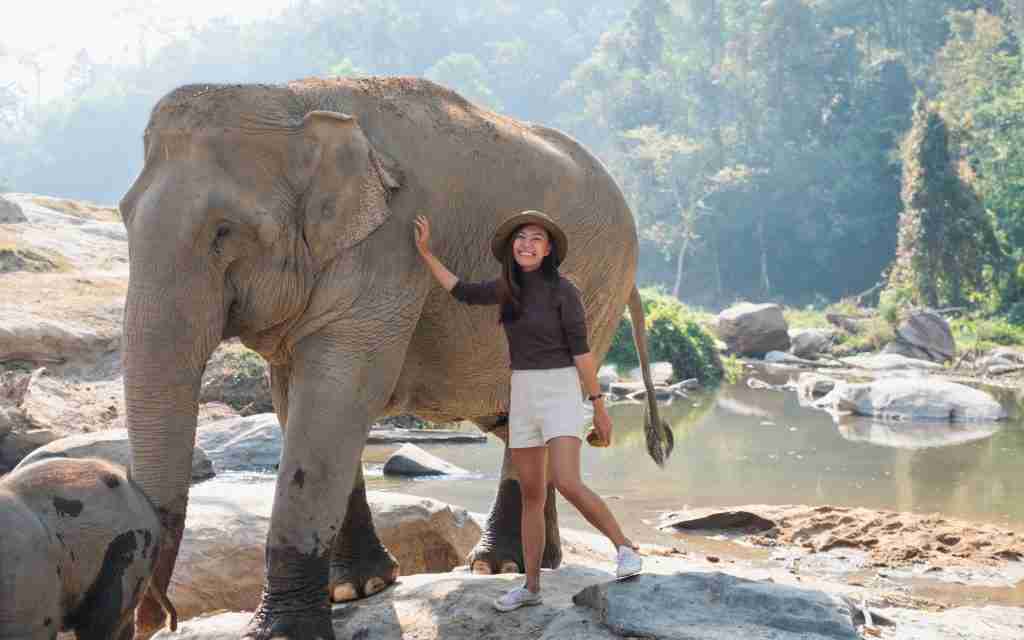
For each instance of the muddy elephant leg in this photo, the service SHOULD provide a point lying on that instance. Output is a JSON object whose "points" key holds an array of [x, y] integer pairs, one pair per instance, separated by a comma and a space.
{"points": [[500, 549], [360, 563], [334, 386]]}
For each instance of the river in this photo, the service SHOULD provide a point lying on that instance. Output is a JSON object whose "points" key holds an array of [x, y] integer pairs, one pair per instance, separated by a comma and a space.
{"points": [[741, 446]]}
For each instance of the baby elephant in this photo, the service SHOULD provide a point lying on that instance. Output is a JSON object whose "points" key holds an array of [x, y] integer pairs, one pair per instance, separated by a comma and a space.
{"points": [[78, 541]]}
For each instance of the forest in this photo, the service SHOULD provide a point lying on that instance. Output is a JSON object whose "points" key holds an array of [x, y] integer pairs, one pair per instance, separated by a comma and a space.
{"points": [[797, 151]]}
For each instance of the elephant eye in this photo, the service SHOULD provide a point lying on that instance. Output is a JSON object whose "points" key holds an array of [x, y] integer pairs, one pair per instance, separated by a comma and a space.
{"points": [[223, 231]]}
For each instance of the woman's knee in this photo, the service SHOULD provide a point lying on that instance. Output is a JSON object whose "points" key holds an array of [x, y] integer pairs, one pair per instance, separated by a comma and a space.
{"points": [[570, 488]]}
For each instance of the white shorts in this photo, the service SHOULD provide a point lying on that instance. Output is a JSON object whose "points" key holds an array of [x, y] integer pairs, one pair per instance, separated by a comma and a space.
{"points": [[546, 403]]}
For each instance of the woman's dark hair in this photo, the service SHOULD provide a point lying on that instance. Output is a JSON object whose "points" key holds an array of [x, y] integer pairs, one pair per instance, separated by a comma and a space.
{"points": [[510, 285]]}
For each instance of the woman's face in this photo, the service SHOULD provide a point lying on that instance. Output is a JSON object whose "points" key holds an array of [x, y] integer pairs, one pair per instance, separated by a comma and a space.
{"points": [[530, 244]]}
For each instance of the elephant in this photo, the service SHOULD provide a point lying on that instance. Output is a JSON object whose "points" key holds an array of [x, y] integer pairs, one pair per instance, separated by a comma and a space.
{"points": [[79, 544], [282, 215]]}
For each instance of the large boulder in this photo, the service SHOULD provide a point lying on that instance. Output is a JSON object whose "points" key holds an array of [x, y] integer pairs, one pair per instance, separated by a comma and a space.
{"points": [[221, 563], [717, 606], [809, 343], [684, 606], [925, 335], [111, 445], [10, 212], [754, 329], [242, 443], [411, 460], [922, 399]]}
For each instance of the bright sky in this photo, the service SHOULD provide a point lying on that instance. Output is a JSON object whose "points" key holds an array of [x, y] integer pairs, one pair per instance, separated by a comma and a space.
{"points": [[55, 30]]}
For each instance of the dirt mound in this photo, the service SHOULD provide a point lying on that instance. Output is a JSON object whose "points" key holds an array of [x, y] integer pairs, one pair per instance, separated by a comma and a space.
{"points": [[893, 538], [890, 539]]}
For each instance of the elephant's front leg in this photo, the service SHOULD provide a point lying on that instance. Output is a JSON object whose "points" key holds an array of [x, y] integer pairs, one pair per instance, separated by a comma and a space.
{"points": [[360, 564], [332, 393], [500, 549]]}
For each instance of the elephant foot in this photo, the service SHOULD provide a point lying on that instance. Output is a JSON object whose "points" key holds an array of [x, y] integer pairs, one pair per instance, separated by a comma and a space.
{"points": [[500, 549], [363, 576], [311, 625], [488, 558]]}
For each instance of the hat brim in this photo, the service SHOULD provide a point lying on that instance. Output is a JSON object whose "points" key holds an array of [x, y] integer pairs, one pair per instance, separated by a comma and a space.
{"points": [[506, 228]]}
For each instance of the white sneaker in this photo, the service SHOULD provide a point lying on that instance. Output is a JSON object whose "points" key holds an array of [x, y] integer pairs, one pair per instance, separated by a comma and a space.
{"points": [[518, 597], [629, 562]]}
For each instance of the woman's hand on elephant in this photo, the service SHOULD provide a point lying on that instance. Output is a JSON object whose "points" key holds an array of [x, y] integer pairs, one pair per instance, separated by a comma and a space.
{"points": [[422, 234]]}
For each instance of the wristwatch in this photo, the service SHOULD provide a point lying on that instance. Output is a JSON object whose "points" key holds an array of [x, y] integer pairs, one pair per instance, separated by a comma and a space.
{"points": [[595, 397]]}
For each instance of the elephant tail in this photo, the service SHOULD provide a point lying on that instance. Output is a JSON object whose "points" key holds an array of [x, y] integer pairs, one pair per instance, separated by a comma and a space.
{"points": [[165, 604], [660, 440]]}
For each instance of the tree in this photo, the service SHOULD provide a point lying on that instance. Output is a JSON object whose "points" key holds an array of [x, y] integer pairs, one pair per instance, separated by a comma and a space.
{"points": [[945, 238]]}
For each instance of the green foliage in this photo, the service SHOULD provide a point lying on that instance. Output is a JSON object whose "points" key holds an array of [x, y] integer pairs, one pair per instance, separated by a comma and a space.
{"points": [[1015, 315], [674, 335], [983, 334], [946, 239]]}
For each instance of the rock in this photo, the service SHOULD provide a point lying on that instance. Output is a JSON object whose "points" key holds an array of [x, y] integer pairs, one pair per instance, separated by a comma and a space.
{"points": [[111, 445], [1003, 369], [252, 442], [925, 335], [411, 460], [24, 336], [889, 362], [710, 520], [915, 399], [807, 343], [626, 388], [10, 212], [606, 375], [810, 386], [217, 626], [18, 444], [754, 329], [781, 357], [914, 435], [717, 606], [661, 373], [221, 563], [690, 384], [237, 377]]}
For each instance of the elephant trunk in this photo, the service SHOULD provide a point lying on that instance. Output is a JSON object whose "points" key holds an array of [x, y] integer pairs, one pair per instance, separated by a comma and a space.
{"points": [[164, 358]]}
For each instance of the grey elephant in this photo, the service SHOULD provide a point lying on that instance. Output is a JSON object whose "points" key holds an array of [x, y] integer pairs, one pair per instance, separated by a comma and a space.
{"points": [[283, 215], [77, 552]]}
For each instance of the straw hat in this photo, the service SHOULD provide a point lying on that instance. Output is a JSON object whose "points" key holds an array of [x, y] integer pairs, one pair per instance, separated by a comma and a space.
{"points": [[506, 228]]}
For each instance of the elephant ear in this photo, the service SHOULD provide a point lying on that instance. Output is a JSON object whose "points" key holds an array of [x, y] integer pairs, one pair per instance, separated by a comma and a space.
{"points": [[347, 188]]}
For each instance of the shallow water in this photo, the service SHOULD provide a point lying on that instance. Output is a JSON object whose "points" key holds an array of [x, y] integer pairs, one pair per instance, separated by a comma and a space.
{"points": [[742, 446]]}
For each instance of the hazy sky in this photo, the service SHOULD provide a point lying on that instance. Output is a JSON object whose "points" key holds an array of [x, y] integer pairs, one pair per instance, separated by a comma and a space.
{"points": [[108, 29]]}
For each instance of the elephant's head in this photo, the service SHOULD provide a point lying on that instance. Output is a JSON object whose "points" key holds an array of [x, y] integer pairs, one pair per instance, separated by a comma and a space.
{"points": [[246, 196]]}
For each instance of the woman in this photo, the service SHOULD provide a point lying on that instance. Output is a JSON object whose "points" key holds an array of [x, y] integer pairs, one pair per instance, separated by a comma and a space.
{"points": [[544, 321]]}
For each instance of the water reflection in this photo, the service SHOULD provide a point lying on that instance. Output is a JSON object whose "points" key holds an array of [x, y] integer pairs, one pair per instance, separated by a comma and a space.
{"points": [[913, 435], [743, 446]]}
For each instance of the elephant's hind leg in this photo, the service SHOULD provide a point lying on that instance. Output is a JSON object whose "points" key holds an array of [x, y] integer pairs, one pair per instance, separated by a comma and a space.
{"points": [[500, 549], [360, 564]]}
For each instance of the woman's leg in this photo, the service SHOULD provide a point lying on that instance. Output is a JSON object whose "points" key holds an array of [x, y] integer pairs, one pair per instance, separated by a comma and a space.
{"points": [[564, 466], [530, 463]]}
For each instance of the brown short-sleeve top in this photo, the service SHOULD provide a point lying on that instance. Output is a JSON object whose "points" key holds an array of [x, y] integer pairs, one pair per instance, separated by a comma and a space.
{"points": [[551, 327]]}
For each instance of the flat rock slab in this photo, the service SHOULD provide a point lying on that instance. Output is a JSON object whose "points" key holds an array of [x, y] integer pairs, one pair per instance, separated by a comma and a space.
{"points": [[717, 606], [964, 623], [713, 520], [440, 436]]}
